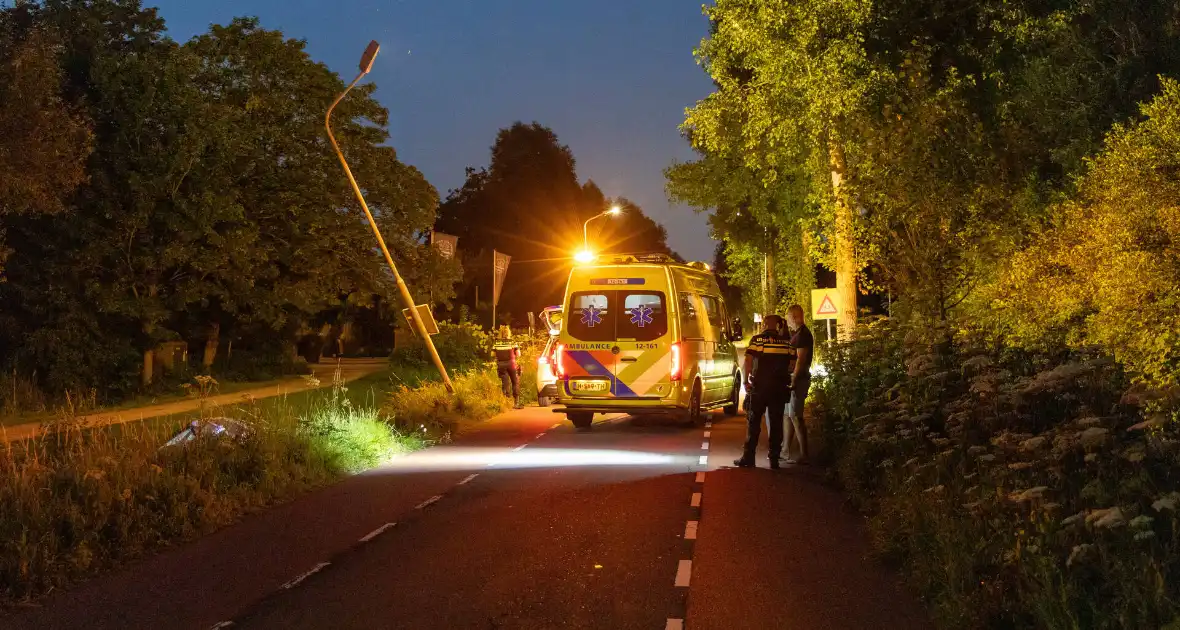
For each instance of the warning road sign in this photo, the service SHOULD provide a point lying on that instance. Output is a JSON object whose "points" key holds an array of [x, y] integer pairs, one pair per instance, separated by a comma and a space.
{"points": [[825, 304]]}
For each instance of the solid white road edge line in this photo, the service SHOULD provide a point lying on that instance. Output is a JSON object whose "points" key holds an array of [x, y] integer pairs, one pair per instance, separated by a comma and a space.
{"points": [[468, 478], [690, 530], [316, 569], [674, 624], [683, 572], [428, 502], [696, 499], [376, 532]]}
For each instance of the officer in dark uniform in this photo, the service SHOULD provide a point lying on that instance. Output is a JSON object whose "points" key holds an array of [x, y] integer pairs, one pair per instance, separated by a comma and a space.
{"points": [[768, 366], [507, 366]]}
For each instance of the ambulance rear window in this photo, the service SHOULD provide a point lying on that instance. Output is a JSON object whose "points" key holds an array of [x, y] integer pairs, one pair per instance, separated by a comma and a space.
{"points": [[591, 315], [644, 316]]}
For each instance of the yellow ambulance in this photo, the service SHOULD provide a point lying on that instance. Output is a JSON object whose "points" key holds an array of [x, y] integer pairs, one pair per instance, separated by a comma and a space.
{"points": [[645, 335]]}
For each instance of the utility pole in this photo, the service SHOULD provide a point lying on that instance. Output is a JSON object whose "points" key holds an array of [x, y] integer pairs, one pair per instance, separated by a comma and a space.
{"points": [[367, 64]]}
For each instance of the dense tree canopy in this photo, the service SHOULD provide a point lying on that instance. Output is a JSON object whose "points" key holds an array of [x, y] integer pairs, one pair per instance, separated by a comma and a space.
{"points": [[926, 139], [211, 202]]}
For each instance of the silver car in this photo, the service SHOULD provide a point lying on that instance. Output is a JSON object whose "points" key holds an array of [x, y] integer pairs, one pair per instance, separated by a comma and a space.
{"points": [[546, 378]]}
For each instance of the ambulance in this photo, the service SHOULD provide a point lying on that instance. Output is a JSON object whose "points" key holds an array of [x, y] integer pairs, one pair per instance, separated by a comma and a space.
{"points": [[645, 335]]}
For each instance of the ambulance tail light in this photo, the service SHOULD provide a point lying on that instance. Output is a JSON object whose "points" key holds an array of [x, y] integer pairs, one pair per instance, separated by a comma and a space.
{"points": [[559, 360], [674, 369]]}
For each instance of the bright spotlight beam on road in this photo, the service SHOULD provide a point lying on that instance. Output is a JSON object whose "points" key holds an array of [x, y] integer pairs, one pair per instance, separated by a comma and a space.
{"points": [[534, 457]]}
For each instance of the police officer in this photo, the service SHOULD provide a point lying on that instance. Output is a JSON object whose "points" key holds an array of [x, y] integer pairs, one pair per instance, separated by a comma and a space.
{"points": [[768, 365], [507, 365]]}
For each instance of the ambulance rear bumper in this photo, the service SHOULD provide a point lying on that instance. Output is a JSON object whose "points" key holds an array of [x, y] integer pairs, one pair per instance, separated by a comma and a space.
{"points": [[631, 410]]}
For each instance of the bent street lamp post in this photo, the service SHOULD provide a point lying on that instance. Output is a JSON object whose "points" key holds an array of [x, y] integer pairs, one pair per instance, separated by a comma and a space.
{"points": [[366, 65], [586, 254]]}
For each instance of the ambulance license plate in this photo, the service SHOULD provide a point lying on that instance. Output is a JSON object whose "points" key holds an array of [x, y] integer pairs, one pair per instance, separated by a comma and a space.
{"points": [[590, 386]]}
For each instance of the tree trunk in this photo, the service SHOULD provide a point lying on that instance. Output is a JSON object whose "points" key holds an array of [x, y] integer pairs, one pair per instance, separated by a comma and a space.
{"points": [[844, 247], [769, 280], [809, 269], [211, 342], [148, 356]]}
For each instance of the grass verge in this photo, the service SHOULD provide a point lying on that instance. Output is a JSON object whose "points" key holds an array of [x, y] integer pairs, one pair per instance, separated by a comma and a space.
{"points": [[82, 498]]}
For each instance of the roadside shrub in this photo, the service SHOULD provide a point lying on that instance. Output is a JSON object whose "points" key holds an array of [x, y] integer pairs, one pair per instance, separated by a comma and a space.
{"points": [[1107, 269], [431, 410], [1017, 489], [353, 439], [460, 346]]}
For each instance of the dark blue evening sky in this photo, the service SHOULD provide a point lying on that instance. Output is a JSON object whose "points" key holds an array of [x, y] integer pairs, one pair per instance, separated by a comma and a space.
{"points": [[610, 77]]}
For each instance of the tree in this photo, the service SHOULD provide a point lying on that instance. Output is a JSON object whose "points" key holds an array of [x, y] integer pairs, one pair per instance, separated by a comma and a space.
{"points": [[45, 142], [792, 79], [529, 204], [935, 133], [309, 238]]}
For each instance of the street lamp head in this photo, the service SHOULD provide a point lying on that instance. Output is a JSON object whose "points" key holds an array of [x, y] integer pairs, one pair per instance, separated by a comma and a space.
{"points": [[584, 256], [369, 56], [615, 211]]}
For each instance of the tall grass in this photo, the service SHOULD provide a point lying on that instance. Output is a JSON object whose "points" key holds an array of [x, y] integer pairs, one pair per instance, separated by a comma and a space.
{"points": [[431, 410], [82, 498]]}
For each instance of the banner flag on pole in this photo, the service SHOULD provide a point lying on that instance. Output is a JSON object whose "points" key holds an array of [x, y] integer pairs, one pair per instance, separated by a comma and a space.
{"points": [[500, 262], [445, 243]]}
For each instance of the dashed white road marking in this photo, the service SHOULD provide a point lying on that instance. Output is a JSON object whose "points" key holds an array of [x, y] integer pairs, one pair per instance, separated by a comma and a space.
{"points": [[683, 572], [690, 530], [696, 499], [555, 426], [316, 569], [540, 435], [700, 477], [674, 624], [226, 624], [708, 433], [376, 532], [705, 445], [519, 447], [428, 502], [467, 479], [704, 461], [708, 425]]}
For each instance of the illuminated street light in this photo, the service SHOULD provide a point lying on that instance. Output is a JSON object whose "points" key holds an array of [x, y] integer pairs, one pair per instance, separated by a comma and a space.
{"points": [[586, 255], [365, 66]]}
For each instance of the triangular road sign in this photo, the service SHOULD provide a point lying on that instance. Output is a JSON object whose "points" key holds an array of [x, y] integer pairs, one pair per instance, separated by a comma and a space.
{"points": [[826, 307]]}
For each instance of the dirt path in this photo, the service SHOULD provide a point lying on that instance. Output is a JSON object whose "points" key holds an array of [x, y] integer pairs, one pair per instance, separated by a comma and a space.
{"points": [[350, 369]]}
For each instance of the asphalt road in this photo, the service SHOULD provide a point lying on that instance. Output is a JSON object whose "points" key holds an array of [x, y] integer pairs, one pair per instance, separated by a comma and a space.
{"points": [[521, 524]]}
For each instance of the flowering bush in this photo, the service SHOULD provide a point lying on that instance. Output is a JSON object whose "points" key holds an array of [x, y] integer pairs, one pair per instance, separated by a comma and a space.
{"points": [[1017, 489]]}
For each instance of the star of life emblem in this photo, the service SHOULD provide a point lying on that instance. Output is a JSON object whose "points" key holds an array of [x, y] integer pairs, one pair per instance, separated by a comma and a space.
{"points": [[641, 315], [591, 316]]}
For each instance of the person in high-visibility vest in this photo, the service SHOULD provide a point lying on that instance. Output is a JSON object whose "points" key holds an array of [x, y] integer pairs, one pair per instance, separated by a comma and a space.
{"points": [[507, 354]]}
